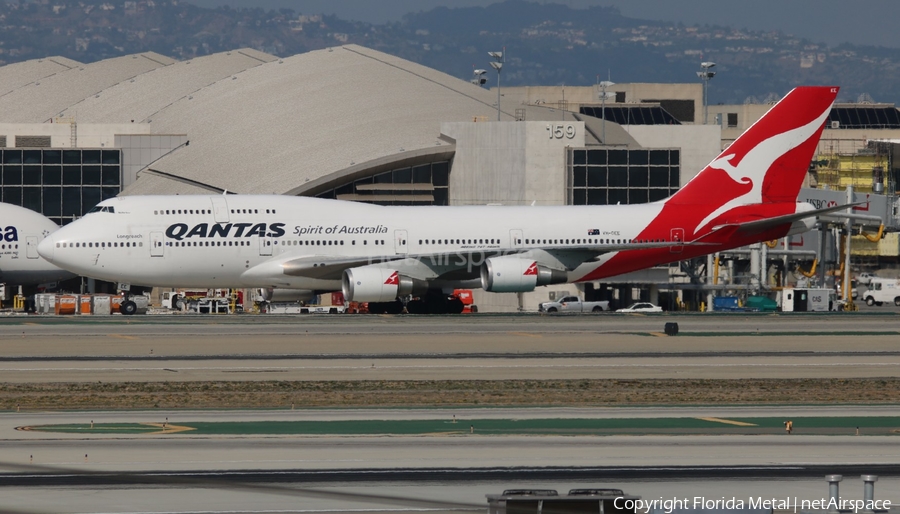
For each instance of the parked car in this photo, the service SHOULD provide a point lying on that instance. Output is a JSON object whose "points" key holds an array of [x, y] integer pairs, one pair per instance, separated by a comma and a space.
{"points": [[642, 307], [573, 304]]}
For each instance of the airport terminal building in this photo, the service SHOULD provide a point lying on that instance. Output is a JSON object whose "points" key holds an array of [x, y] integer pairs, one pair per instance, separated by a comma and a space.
{"points": [[348, 123]]}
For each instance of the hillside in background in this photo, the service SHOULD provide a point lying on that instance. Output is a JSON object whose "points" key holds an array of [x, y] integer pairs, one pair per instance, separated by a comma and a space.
{"points": [[546, 44]]}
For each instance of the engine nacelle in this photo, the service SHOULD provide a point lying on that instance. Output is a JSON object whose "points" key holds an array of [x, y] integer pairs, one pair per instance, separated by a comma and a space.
{"points": [[372, 284], [517, 275], [287, 295]]}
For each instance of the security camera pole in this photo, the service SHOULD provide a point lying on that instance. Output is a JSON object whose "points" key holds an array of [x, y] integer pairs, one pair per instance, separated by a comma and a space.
{"points": [[478, 77], [705, 76], [603, 96], [497, 65]]}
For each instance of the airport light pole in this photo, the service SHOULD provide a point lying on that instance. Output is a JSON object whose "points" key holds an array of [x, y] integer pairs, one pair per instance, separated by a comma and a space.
{"points": [[705, 76], [497, 65], [603, 96]]}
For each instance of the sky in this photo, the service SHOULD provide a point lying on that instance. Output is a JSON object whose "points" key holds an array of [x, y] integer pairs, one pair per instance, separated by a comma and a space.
{"points": [[863, 22]]}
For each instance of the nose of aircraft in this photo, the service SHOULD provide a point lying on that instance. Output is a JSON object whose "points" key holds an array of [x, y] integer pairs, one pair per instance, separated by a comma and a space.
{"points": [[46, 247]]}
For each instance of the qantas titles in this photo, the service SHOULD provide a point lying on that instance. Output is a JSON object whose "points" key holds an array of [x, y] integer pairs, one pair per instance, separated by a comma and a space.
{"points": [[179, 231], [340, 229]]}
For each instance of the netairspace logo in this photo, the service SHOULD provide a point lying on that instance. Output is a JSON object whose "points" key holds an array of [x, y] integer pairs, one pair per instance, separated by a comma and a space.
{"points": [[697, 503]]}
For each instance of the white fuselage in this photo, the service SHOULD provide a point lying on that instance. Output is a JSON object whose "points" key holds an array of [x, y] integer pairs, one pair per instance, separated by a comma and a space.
{"points": [[241, 241], [21, 231]]}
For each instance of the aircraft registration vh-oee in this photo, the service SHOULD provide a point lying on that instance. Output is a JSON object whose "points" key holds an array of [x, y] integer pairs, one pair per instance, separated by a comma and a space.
{"points": [[381, 254]]}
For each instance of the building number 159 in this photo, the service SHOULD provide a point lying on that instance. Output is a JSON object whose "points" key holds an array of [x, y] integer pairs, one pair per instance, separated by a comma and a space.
{"points": [[561, 131]]}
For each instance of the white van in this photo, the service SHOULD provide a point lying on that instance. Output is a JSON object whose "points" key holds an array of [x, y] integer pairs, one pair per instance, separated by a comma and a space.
{"points": [[883, 290]]}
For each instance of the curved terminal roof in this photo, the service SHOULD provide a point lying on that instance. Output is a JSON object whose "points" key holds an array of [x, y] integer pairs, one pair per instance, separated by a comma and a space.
{"points": [[137, 98], [14, 76], [291, 125], [260, 124], [44, 99]]}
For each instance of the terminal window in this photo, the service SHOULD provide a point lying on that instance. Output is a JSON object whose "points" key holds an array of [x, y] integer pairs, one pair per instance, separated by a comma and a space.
{"points": [[610, 177], [423, 184], [62, 184]]}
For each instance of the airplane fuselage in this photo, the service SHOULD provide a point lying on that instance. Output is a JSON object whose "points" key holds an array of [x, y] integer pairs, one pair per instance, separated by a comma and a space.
{"points": [[227, 241]]}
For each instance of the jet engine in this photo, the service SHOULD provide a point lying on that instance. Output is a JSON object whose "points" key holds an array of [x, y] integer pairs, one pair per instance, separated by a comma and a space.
{"points": [[517, 275], [371, 284]]}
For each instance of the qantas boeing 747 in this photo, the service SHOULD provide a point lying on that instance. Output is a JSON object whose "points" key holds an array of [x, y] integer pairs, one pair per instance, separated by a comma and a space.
{"points": [[374, 253]]}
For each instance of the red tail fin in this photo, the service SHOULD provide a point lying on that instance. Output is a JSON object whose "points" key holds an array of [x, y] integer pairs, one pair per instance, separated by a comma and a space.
{"points": [[768, 162]]}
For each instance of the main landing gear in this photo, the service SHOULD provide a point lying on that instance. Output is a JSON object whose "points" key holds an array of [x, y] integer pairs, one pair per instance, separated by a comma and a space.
{"points": [[433, 302]]}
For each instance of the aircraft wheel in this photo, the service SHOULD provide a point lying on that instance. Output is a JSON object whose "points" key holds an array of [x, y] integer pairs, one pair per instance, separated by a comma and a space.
{"points": [[436, 303], [128, 308], [455, 306], [416, 307], [395, 307]]}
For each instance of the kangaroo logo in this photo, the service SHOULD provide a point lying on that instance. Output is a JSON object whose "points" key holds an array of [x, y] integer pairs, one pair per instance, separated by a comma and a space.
{"points": [[754, 166], [392, 280], [532, 270]]}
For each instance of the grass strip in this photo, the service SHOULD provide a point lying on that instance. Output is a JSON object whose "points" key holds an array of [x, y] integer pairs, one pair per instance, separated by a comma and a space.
{"points": [[445, 393]]}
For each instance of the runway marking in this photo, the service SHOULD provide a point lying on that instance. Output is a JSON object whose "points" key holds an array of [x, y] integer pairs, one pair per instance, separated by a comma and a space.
{"points": [[525, 334], [729, 422], [169, 429], [122, 336]]}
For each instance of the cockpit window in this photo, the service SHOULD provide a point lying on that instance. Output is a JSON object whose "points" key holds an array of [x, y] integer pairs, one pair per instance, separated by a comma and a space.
{"points": [[102, 208]]}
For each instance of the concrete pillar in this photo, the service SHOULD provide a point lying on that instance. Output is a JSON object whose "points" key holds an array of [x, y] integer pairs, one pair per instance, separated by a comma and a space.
{"points": [[754, 267], [764, 265], [654, 294], [709, 281]]}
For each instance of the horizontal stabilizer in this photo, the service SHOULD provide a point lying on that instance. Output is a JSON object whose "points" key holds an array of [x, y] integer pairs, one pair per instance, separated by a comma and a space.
{"points": [[767, 223]]}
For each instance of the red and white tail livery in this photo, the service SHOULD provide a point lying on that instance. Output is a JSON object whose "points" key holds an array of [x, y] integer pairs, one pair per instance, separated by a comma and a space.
{"points": [[377, 254]]}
